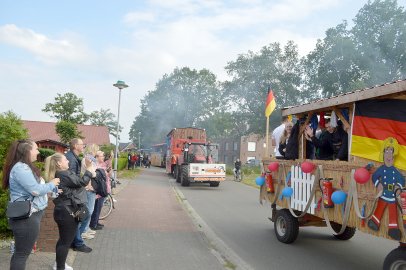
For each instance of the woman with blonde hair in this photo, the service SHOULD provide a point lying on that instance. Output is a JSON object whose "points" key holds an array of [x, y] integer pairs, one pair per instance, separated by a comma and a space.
{"points": [[73, 196], [84, 230], [285, 138], [24, 181]]}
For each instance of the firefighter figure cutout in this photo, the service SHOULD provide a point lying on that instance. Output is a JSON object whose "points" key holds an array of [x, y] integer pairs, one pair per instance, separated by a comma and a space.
{"points": [[390, 179]]}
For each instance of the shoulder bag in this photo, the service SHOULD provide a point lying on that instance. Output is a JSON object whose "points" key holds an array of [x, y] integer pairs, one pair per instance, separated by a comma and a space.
{"points": [[17, 210]]}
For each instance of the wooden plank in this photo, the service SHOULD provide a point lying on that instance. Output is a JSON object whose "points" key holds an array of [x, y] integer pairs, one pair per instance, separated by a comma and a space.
{"points": [[392, 89]]}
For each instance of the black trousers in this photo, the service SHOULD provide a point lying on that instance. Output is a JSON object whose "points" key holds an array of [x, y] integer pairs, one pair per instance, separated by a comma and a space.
{"points": [[67, 226], [25, 233]]}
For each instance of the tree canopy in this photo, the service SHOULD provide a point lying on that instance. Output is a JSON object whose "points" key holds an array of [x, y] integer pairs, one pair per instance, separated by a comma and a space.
{"points": [[67, 107]]}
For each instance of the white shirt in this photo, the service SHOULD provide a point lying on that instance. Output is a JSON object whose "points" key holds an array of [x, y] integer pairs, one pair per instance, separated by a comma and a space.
{"points": [[276, 135]]}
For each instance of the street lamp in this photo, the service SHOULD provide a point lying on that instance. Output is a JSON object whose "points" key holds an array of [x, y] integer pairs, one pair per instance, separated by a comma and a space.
{"points": [[139, 144], [120, 85]]}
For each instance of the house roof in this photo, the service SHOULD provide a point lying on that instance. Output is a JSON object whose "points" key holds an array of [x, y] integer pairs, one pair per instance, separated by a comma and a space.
{"points": [[394, 88], [39, 131], [126, 146]]}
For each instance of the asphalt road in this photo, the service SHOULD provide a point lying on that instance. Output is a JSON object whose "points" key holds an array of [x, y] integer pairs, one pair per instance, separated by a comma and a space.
{"points": [[233, 212]]}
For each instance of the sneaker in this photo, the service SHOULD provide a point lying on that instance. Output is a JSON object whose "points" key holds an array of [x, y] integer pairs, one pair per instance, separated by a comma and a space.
{"points": [[87, 236], [114, 200], [67, 267], [101, 225], [83, 248], [90, 231], [97, 228]]}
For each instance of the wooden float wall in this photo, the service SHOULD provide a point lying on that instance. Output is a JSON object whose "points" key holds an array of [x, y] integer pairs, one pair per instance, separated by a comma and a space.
{"points": [[340, 171]]}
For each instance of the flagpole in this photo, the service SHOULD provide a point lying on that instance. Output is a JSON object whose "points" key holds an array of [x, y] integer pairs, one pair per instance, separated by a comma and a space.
{"points": [[267, 138]]}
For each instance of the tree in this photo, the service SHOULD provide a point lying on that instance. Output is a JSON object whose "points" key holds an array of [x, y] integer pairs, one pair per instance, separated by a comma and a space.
{"points": [[183, 98], [67, 107], [67, 131], [253, 73], [370, 53], [12, 129], [105, 118], [380, 37]]}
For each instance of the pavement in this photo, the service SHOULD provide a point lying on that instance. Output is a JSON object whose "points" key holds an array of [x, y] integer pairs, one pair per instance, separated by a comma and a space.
{"points": [[149, 229]]}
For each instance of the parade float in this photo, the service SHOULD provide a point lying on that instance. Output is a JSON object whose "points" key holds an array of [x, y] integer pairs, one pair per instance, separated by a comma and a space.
{"points": [[366, 192]]}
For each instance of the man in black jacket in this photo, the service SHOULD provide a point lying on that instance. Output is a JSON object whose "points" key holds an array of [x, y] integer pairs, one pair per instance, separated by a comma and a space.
{"points": [[76, 148]]}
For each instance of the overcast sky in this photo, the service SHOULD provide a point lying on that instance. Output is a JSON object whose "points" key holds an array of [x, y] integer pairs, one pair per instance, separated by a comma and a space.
{"points": [[84, 47]]}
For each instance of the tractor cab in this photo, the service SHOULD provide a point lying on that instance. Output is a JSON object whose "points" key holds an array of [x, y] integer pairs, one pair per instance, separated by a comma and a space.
{"points": [[199, 152]]}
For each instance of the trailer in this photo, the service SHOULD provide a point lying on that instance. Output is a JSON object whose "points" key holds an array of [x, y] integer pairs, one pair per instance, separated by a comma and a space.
{"points": [[158, 155], [366, 192]]}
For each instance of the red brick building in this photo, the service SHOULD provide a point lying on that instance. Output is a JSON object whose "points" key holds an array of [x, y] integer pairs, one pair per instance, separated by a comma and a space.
{"points": [[44, 134]]}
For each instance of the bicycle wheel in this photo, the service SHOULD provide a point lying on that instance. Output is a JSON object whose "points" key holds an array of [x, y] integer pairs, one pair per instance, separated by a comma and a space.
{"points": [[107, 207]]}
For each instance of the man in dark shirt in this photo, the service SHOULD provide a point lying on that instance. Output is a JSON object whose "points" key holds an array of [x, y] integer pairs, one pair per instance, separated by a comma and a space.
{"points": [[76, 148], [324, 144]]}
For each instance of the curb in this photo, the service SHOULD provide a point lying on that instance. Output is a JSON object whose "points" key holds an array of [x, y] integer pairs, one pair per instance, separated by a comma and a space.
{"points": [[220, 249]]}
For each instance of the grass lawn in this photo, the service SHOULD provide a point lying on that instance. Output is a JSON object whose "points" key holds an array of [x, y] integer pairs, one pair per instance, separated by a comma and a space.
{"points": [[128, 174]]}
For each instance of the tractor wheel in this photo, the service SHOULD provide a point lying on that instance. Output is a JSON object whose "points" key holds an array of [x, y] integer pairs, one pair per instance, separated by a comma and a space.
{"points": [[184, 176], [286, 226], [396, 259], [177, 177], [346, 235], [214, 184]]}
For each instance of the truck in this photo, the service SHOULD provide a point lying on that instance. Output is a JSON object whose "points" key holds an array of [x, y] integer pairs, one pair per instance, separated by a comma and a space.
{"points": [[191, 158], [346, 196]]}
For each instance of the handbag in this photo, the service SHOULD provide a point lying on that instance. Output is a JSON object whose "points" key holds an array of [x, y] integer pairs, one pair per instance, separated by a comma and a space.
{"points": [[79, 213], [17, 210]]}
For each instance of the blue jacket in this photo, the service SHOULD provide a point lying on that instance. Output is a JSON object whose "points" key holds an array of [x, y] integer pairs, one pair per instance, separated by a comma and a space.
{"points": [[24, 185], [74, 162]]}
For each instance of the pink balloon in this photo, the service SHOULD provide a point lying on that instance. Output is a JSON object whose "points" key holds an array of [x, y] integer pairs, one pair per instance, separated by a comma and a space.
{"points": [[361, 175], [307, 167], [273, 166]]}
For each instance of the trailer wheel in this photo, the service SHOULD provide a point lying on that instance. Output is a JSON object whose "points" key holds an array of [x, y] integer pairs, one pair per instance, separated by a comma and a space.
{"points": [[214, 184], [286, 226], [396, 259], [184, 177], [177, 174], [346, 235]]}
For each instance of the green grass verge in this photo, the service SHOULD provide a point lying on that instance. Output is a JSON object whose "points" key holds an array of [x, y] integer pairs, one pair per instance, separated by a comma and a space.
{"points": [[128, 174]]}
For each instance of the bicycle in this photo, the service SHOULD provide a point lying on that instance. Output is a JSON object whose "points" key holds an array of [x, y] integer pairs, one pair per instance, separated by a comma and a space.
{"points": [[238, 175], [108, 204]]}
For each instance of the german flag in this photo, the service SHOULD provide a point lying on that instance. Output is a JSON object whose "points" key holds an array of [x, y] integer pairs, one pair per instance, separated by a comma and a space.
{"points": [[374, 121], [270, 103]]}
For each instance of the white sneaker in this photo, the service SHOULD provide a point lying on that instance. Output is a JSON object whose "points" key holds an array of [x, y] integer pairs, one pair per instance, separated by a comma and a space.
{"points": [[67, 267], [90, 231], [114, 200], [87, 236]]}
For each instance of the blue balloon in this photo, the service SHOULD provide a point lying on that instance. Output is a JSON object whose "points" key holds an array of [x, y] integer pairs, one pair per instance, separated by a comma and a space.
{"points": [[287, 192], [260, 180], [338, 197]]}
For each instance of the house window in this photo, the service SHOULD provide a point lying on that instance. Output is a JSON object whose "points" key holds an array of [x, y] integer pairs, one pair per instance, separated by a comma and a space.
{"points": [[235, 146], [251, 146], [225, 159], [226, 146]]}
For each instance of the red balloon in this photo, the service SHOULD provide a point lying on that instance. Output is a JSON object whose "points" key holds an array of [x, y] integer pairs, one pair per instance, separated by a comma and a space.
{"points": [[361, 175], [273, 166], [307, 167]]}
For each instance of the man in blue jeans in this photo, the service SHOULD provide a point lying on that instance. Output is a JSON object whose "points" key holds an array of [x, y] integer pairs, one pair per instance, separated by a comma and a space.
{"points": [[76, 148]]}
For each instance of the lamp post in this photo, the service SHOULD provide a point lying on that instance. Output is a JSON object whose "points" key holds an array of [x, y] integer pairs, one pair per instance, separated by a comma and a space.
{"points": [[120, 85], [139, 144]]}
